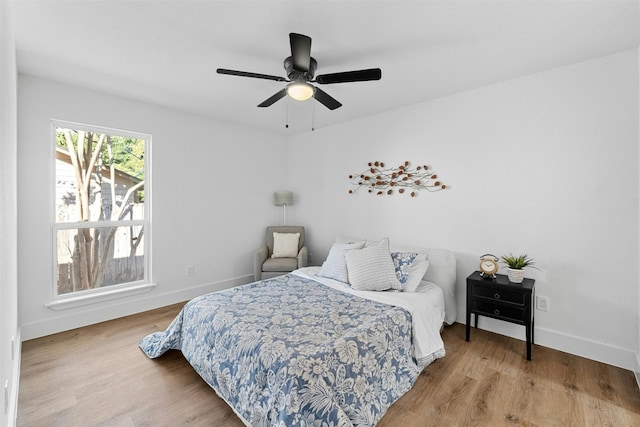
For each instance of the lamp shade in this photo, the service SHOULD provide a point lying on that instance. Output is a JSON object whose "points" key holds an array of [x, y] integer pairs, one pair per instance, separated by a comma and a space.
{"points": [[281, 198]]}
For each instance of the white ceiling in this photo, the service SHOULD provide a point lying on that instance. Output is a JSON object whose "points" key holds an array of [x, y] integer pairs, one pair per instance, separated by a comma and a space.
{"points": [[167, 52]]}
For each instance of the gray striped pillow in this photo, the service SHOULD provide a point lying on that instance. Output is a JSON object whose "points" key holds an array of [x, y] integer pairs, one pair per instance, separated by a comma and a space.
{"points": [[335, 267], [371, 268]]}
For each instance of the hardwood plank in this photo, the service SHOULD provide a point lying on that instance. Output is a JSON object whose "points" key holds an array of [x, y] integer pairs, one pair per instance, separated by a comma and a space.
{"points": [[97, 376]]}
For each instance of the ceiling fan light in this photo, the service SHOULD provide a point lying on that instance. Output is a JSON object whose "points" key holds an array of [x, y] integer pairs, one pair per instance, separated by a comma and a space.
{"points": [[300, 91]]}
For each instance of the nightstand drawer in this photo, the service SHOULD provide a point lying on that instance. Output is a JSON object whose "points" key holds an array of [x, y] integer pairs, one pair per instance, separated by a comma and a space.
{"points": [[498, 310], [499, 295]]}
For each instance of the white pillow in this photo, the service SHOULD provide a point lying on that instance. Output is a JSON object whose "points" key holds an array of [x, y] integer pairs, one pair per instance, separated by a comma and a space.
{"points": [[371, 268], [335, 266], [285, 245], [420, 257], [416, 273]]}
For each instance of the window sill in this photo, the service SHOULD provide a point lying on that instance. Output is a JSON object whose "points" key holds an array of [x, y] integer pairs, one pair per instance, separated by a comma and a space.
{"points": [[111, 294]]}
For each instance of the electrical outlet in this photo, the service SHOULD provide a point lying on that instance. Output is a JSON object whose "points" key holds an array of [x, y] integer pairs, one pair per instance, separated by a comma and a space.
{"points": [[191, 270], [542, 303]]}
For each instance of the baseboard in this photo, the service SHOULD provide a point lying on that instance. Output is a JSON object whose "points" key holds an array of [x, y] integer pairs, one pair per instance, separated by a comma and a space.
{"points": [[100, 312], [605, 353], [12, 412], [601, 352]]}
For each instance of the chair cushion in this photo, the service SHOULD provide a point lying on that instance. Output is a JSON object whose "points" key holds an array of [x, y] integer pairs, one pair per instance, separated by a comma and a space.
{"points": [[284, 229], [280, 264], [285, 245]]}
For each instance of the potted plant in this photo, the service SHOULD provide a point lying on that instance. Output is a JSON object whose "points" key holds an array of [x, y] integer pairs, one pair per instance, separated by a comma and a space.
{"points": [[516, 265]]}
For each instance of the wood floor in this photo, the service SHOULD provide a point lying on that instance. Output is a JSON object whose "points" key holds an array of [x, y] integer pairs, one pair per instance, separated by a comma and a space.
{"points": [[97, 376]]}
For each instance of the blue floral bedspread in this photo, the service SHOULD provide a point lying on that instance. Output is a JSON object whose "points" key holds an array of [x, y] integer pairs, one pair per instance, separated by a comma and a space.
{"points": [[290, 351]]}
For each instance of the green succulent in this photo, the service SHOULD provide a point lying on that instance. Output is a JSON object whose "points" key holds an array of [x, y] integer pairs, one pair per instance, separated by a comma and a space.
{"points": [[518, 262]]}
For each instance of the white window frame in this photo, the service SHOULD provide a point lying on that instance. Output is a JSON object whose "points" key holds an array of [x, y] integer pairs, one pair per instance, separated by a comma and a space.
{"points": [[91, 296]]}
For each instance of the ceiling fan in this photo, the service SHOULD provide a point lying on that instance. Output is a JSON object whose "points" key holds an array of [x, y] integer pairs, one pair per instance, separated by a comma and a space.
{"points": [[300, 68]]}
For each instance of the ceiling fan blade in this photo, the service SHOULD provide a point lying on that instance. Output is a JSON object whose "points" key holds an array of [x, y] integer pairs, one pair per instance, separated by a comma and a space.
{"points": [[350, 76], [247, 74], [278, 96], [325, 99], [300, 51]]}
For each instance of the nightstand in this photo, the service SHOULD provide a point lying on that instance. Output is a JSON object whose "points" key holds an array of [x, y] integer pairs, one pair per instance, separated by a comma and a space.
{"points": [[503, 300]]}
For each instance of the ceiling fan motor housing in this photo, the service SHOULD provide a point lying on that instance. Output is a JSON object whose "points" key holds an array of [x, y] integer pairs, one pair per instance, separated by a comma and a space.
{"points": [[294, 74]]}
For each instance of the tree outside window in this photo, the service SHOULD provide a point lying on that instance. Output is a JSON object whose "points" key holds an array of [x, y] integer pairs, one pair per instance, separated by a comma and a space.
{"points": [[100, 208]]}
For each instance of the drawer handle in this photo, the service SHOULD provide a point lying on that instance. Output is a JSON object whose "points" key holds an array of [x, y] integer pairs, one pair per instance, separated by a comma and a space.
{"points": [[496, 295], [496, 312]]}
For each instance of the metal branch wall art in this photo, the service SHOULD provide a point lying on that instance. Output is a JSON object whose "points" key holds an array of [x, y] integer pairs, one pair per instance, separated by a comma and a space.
{"points": [[382, 180]]}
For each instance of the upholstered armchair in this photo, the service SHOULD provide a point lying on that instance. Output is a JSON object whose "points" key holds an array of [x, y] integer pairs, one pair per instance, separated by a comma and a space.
{"points": [[282, 254]]}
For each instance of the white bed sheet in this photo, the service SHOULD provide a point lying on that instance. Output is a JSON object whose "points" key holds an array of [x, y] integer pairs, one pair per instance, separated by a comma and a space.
{"points": [[426, 308]]}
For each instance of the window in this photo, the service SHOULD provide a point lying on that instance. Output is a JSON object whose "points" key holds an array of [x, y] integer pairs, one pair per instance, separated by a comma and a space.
{"points": [[101, 227]]}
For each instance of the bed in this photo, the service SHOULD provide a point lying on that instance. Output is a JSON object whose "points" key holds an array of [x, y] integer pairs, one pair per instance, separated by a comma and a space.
{"points": [[306, 349]]}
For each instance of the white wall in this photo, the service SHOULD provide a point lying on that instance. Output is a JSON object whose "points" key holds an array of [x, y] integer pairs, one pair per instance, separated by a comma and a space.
{"points": [[545, 164], [9, 330], [212, 195], [637, 369]]}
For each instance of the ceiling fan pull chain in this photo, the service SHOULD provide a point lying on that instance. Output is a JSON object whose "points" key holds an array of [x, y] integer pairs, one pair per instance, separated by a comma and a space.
{"points": [[313, 116], [286, 115]]}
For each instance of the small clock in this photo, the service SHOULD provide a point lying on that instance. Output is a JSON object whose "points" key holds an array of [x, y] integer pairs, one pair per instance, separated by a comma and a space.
{"points": [[489, 266]]}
